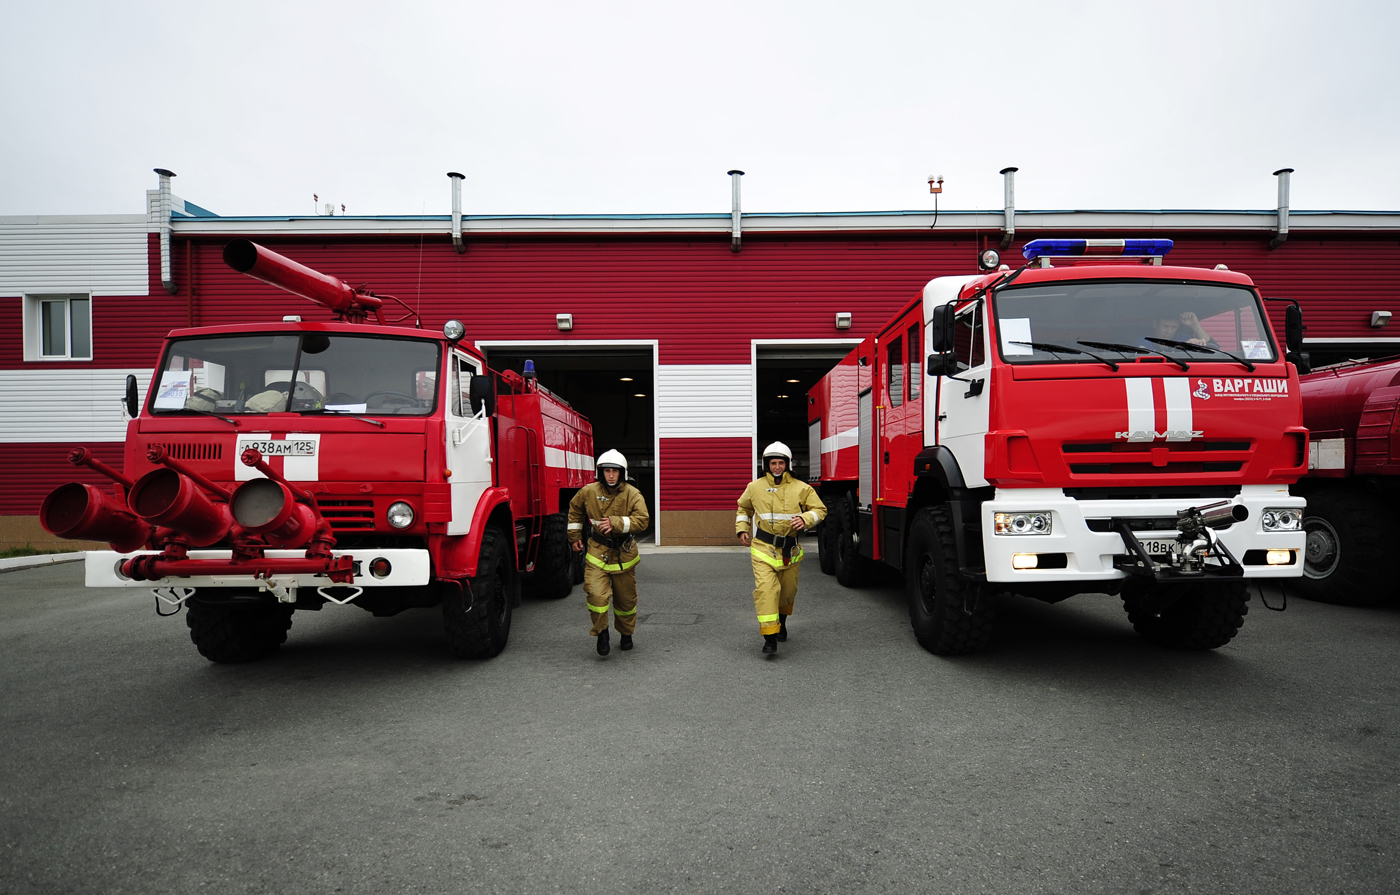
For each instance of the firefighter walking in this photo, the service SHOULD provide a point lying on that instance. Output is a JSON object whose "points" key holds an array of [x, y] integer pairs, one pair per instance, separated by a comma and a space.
{"points": [[780, 507], [609, 513]]}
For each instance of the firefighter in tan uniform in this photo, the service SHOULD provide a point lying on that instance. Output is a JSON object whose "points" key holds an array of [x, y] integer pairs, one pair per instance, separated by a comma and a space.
{"points": [[780, 507], [611, 513]]}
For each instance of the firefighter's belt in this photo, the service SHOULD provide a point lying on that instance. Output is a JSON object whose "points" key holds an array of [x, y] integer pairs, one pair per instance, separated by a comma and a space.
{"points": [[779, 542], [614, 543]]}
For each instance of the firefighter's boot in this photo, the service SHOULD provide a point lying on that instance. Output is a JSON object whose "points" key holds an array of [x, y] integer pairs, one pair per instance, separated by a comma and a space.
{"points": [[603, 648], [782, 628], [770, 644], [626, 642]]}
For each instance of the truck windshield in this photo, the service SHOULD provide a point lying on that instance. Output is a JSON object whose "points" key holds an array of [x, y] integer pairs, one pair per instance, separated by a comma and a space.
{"points": [[306, 372], [1125, 319]]}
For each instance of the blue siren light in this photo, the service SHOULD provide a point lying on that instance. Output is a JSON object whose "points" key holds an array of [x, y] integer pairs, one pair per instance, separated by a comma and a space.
{"points": [[1040, 248]]}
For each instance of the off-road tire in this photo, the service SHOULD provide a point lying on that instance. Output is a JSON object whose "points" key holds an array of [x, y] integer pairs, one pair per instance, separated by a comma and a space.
{"points": [[480, 632], [950, 614], [1205, 615], [826, 544], [241, 633], [553, 577], [576, 566], [850, 568], [1347, 537]]}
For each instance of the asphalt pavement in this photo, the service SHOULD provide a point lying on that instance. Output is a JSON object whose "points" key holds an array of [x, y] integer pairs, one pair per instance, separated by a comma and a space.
{"points": [[1072, 757]]}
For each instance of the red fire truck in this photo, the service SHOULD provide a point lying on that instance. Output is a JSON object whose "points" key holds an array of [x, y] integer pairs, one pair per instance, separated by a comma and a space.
{"points": [[1354, 468], [278, 467], [1089, 423]]}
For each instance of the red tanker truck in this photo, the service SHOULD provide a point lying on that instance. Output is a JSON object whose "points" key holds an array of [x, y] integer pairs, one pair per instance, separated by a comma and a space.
{"points": [[282, 466], [1084, 424], [1353, 474]]}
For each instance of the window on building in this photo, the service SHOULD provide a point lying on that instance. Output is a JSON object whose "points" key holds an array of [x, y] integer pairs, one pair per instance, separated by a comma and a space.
{"points": [[894, 366], [58, 327]]}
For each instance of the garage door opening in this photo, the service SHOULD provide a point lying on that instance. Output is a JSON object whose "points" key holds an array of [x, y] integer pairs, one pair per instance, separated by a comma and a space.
{"points": [[783, 373], [614, 386]]}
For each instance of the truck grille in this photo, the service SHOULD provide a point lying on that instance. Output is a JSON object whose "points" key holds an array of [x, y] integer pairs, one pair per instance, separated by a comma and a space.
{"points": [[348, 515], [1155, 457], [192, 450]]}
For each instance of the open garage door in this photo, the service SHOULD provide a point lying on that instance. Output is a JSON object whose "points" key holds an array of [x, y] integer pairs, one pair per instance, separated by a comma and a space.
{"points": [[783, 373], [614, 386]]}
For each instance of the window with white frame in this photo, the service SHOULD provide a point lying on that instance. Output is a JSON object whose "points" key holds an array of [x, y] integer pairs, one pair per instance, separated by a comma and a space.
{"points": [[58, 327]]}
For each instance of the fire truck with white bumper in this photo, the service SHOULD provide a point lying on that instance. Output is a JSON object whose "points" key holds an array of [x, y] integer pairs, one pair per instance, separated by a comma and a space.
{"points": [[1093, 422], [278, 467], [1353, 477]]}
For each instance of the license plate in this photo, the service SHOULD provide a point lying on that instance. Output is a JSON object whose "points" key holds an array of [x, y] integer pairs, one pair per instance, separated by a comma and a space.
{"points": [[1157, 548], [289, 448]]}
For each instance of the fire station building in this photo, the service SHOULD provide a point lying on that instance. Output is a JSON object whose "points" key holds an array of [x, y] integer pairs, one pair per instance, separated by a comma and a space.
{"points": [[689, 340]]}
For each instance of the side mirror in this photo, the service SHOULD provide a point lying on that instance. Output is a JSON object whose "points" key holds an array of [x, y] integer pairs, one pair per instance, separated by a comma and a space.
{"points": [[483, 393], [133, 403], [1293, 328], [941, 364], [942, 326]]}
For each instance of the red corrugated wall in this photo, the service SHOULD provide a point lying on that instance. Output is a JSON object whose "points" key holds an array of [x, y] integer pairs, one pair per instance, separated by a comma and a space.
{"points": [[36, 469]]}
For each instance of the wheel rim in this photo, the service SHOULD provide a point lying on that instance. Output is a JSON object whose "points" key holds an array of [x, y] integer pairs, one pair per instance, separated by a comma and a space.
{"points": [[928, 584], [1322, 552]]}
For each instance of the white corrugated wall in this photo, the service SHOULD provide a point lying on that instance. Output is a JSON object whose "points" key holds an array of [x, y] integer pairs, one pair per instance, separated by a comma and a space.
{"points": [[48, 405], [102, 255], [704, 400]]}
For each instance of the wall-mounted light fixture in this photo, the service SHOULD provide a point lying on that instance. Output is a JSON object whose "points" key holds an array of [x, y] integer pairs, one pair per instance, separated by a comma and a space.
{"points": [[843, 320], [565, 322], [1379, 318]]}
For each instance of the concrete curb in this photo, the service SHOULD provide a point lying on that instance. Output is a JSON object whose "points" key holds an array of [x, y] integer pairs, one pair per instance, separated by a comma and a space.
{"points": [[16, 563]]}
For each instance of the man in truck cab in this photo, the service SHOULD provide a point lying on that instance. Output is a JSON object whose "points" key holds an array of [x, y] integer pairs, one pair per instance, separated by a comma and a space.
{"points": [[615, 513], [1185, 327], [780, 507]]}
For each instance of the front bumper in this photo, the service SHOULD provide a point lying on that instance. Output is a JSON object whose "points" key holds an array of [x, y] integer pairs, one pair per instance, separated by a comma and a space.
{"points": [[1088, 554], [408, 568]]}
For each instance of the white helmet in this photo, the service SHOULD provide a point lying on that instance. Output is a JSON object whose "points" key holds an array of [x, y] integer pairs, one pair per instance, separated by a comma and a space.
{"points": [[613, 460], [779, 450]]}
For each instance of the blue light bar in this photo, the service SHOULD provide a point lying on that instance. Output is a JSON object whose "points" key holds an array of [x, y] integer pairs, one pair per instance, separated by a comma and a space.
{"points": [[1039, 248]]}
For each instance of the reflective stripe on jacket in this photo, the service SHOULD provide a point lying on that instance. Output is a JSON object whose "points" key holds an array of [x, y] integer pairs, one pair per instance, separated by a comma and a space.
{"points": [[625, 510], [772, 504]]}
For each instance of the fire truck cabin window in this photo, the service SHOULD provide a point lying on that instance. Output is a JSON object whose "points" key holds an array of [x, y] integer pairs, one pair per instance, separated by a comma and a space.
{"points": [[916, 354], [894, 366], [968, 342], [305, 373], [1138, 317]]}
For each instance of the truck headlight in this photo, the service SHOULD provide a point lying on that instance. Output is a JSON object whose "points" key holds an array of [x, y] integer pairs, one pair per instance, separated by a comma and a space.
{"points": [[1282, 519], [1031, 522], [400, 514]]}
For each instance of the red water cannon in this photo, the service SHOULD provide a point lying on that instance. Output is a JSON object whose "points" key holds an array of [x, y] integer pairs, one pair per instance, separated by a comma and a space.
{"points": [[178, 498], [85, 513], [350, 303], [284, 515]]}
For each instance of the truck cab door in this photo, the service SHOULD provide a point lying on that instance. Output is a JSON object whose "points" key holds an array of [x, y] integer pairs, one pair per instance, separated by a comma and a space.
{"points": [[964, 402], [468, 444], [901, 408]]}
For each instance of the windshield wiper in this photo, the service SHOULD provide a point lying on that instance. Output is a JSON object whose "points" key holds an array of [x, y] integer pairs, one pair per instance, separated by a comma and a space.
{"points": [[1117, 346], [1057, 349], [235, 423], [353, 416], [1187, 346]]}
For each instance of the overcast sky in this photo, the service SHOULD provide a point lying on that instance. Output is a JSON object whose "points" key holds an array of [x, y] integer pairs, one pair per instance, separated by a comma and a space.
{"points": [[583, 107]]}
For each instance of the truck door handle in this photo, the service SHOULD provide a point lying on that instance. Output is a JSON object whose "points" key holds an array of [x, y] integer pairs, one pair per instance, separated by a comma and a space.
{"points": [[887, 457]]}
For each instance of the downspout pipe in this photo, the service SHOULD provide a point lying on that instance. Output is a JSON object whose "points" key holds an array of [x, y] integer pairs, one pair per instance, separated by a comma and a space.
{"points": [[1008, 230], [167, 206], [735, 230], [1282, 235], [457, 242]]}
